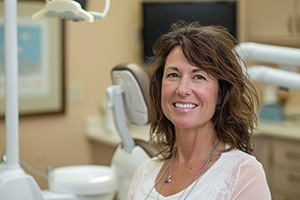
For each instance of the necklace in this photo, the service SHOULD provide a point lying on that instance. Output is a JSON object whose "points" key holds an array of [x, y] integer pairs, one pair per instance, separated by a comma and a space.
{"points": [[202, 172], [170, 175]]}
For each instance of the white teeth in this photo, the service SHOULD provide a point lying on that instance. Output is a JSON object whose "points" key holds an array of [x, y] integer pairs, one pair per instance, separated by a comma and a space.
{"points": [[185, 106]]}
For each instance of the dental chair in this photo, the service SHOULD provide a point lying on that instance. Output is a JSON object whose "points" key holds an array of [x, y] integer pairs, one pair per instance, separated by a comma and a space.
{"points": [[129, 100]]}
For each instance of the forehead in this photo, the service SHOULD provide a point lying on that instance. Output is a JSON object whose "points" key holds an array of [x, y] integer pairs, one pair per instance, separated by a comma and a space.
{"points": [[176, 60]]}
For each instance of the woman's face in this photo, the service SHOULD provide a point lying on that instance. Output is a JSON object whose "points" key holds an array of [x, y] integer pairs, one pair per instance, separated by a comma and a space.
{"points": [[189, 94]]}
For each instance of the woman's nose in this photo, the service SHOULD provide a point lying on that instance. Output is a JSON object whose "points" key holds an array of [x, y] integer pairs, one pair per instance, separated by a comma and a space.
{"points": [[184, 88]]}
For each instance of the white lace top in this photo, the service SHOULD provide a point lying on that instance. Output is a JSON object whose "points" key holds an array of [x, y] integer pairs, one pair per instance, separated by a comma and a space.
{"points": [[235, 175]]}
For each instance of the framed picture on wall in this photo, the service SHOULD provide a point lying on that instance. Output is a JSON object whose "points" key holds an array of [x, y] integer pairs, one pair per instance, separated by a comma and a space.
{"points": [[41, 81]]}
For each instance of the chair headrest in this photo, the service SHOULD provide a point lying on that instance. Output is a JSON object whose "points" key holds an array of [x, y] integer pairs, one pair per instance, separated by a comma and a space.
{"points": [[135, 104]]}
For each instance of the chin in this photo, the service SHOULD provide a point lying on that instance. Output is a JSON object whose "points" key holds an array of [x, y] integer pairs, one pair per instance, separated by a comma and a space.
{"points": [[184, 125]]}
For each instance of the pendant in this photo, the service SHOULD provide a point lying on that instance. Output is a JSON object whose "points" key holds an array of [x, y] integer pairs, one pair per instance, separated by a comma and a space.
{"points": [[168, 180]]}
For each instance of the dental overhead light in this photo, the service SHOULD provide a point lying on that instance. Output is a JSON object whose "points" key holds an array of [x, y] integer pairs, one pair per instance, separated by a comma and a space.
{"points": [[285, 76], [70, 10], [284, 57]]}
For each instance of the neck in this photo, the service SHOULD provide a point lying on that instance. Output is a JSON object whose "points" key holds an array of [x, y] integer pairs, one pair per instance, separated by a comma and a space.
{"points": [[190, 148]]}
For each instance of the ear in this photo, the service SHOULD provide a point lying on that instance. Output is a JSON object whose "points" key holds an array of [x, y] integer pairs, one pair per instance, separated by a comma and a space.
{"points": [[217, 107]]}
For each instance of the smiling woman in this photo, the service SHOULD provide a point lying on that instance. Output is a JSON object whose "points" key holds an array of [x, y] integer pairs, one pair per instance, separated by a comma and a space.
{"points": [[203, 118], [189, 94]]}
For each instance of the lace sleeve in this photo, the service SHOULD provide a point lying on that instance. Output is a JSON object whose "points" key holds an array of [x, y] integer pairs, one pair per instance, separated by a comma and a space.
{"points": [[251, 182], [138, 176]]}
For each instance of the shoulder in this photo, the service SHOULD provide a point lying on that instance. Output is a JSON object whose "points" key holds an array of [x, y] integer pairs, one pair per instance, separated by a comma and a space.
{"points": [[148, 166], [142, 173], [234, 161], [249, 166], [149, 163], [243, 162], [242, 158], [250, 179], [241, 174]]}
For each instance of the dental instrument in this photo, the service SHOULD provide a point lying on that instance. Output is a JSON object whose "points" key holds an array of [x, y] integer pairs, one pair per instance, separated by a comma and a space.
{"points": [[286, 58], [70, 10], [14, 182], [127, 86], [129, 100], [11, 174]]}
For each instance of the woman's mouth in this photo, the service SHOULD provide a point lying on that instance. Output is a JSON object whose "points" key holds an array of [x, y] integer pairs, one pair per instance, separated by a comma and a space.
{"points": [[185, 105]]}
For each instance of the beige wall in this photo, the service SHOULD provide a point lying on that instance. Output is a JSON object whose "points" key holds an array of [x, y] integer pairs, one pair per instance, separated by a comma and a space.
{"points": [[91, 51]]}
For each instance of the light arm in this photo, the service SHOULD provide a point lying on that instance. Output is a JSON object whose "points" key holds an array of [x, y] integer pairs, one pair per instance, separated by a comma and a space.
{"points": [[70, 10], [102, 15], [283, 56], [282, 78]]}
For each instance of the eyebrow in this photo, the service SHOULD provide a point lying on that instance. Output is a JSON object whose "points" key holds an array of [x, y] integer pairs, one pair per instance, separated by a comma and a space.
{"points": [[198, 70], [195, 70], [171, 68]]}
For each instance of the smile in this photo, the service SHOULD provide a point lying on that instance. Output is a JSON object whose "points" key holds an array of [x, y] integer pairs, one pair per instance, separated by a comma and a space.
{"points": [[184, 106]]}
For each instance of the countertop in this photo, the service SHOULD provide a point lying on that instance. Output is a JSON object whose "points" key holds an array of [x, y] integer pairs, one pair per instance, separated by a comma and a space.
{"points": [[285, 129], [96, 131]]}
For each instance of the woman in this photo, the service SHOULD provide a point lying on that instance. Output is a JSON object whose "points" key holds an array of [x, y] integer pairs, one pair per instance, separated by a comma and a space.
{"points": [[204, 116]]}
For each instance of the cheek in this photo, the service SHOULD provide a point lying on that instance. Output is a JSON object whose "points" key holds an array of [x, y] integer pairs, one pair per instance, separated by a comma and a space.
{"points": [[166, 89], [210, 94], [164, 95]]}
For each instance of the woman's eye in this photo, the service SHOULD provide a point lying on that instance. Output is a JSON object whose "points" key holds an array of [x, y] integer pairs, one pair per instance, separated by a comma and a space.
{"points": [[172, 75], [200, 77]]}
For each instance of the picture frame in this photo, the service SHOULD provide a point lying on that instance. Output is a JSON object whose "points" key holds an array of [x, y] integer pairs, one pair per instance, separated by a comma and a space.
{"points": [[41, 70]]}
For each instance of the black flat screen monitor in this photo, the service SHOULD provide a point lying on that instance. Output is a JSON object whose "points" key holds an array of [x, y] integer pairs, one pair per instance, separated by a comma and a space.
{"points": [[157, 17]]}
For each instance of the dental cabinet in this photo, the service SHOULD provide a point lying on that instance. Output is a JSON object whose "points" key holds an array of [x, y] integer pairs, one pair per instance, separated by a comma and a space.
{"points": [[277, 147], [271, 21]]}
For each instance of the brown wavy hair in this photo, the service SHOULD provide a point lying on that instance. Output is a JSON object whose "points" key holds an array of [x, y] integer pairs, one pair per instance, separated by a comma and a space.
{"points": [[212, 48]]}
